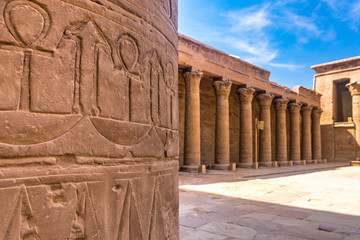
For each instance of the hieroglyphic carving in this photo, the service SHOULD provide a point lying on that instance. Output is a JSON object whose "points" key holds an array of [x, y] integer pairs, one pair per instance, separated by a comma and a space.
{"points": [[21, 225], [134, 208], [89, 40], [76, 79], [17, 14], [155, 75], [128, 52], [129, 215], [171, 95], [84, 225], [159, 223], [166, 6]]}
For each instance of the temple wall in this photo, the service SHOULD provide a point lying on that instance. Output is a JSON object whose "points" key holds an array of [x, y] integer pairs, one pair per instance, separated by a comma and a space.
{"points": [[233, 92], [338, 139]]}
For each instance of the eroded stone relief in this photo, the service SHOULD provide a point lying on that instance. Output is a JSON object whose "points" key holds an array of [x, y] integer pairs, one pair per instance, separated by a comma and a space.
{"points": [[88, 108]]}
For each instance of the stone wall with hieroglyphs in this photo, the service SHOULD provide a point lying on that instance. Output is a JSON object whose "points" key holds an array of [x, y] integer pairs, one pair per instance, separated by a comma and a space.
{"points": [[88, 119]]}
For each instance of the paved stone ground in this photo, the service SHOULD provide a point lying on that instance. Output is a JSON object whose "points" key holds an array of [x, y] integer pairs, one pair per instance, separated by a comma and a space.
{"points": [[310, 202]]}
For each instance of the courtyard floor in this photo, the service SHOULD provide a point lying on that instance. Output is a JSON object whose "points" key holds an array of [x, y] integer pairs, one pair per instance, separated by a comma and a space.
{"points": [[289, 203]]}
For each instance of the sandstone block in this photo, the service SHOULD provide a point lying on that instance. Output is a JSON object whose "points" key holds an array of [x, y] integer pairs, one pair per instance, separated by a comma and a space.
{"points": [[88, 119]]}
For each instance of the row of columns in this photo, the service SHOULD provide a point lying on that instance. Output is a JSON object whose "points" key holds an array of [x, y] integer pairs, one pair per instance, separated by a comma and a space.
{"points": [[311, 135]]}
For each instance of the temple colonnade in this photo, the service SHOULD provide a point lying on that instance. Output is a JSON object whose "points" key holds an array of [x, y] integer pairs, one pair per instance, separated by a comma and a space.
{"points": [[297, 127]]}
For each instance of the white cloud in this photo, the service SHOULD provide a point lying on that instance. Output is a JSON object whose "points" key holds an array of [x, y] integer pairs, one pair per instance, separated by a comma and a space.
{"points": [[260, 51], [248, 34], [250, 31], [291, 67], [346, 11], [301, 22], [334, 4], [252, 18]]}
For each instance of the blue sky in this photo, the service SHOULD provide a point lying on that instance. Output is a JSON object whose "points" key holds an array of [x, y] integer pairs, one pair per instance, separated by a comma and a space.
{"points": [[284, 37]]}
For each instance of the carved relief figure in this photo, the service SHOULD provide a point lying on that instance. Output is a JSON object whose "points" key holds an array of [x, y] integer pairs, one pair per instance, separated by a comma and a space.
{"points": [[87, 130], [17, 15]]}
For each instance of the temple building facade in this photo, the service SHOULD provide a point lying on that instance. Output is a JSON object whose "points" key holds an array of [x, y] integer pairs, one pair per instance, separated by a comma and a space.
{"points": [[338, 82], [229, 112]]}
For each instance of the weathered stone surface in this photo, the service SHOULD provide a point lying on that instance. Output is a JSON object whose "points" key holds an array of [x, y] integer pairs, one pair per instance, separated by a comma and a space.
{"points": [[88, 119], [249, 98], [306, 134], [265, 101], [338, 83], [229, 230]]}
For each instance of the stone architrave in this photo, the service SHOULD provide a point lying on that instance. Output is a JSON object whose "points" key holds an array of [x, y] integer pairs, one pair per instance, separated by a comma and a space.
{"points": [[88, 128], [295, 150], [316, 135], [222, 136], [246, 96], [281, 136], [354, 88], [265, 100], [192, 144], [306, 145]]}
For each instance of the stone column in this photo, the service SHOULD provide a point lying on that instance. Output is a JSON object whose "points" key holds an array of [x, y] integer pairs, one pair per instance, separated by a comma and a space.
{"points": [[222, 139], [316, 135], [306, 134], [192, 152], [281, 139], [246, 96], [86, 151], [354, 88], [265, 101], [295, 152]]}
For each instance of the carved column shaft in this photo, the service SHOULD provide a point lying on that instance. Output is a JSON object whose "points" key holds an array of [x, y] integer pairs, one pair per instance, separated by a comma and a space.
{"points": [[222, 138], [295, 152], [306, 134], [316, 135], [246, 127], [354, 88], [281, 137], [88, 148], [265, 101], [192, 142]]}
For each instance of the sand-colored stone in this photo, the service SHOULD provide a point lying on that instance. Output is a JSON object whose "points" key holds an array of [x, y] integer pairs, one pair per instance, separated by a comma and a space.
{"points": [[295, 151], [354, 88], [265, 101], [306, 134], [246, 81], [222, 140], [338, 129], [192, 154], [246, 96], [88, 119], [281, 137], [316, 135], [270, 202]]}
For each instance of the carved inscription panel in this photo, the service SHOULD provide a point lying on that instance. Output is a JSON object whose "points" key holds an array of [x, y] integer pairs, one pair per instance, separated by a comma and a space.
{"points": [[84, 77], [95, 204], [88, 119]]}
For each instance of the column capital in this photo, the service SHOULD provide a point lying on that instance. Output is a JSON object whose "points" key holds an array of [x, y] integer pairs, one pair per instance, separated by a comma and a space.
{"points": [[265, 99], [294, 107], [354, 88], [281, 104], [246, 94], [193, 76], [306, 110], [317, 112], [222, 87]]}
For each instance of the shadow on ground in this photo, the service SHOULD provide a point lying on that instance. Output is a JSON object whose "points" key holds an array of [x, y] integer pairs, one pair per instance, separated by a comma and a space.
{"points": [[315, 204]]}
